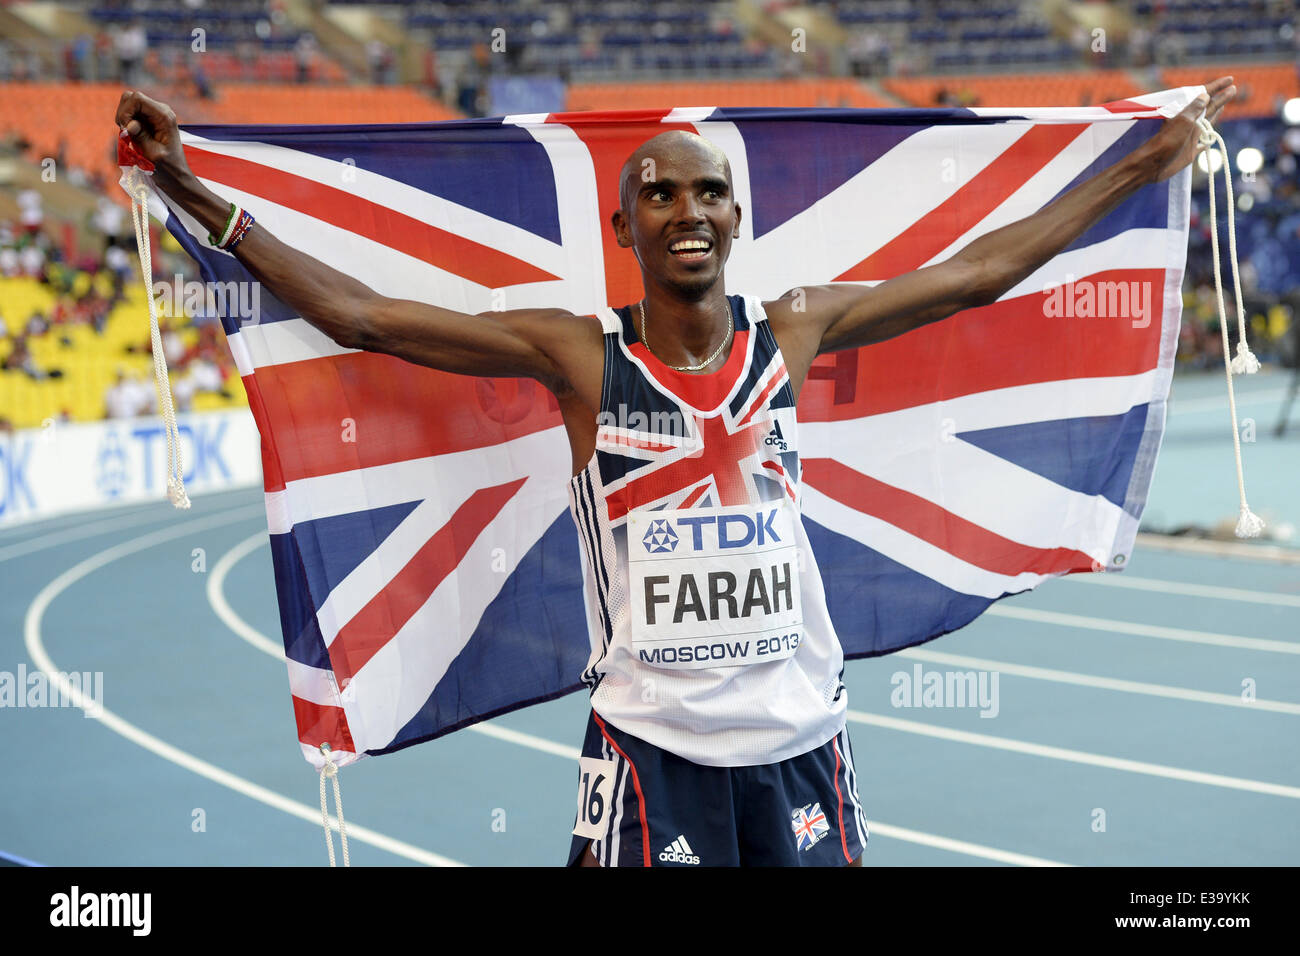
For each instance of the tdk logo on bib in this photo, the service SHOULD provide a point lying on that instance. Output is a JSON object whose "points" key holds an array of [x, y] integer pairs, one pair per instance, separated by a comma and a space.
{"points": [[660, 538], [715, 587], [733, 531]]}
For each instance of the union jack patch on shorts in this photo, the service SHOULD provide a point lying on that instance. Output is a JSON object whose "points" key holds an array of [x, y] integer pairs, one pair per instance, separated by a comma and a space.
{"points": [[809, 825]]}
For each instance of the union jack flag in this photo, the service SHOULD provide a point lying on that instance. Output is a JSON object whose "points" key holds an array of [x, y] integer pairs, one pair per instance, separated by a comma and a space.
{"points": [[809, 825], [428, 574]]}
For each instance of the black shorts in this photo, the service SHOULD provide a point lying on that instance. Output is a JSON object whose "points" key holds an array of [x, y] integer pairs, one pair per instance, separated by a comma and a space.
{"points": [[642, 806]]}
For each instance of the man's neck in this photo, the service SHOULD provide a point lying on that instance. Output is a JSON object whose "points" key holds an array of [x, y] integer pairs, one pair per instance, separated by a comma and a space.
{"points": [[683, 331]]}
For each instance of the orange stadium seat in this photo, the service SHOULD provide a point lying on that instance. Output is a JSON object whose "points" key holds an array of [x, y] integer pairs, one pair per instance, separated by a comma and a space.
{"points": [[288, 103], [79, 114], [1261, 90], [1028, 90], [791, 93]]}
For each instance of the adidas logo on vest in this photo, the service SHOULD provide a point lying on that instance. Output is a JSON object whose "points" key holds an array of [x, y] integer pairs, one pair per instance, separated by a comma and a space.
{"points": [[679, 851]]}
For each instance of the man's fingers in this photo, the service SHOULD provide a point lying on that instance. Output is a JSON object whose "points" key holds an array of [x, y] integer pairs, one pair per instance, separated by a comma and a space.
{"points": [[1196, 107], [1221, 99], [135, 106]]}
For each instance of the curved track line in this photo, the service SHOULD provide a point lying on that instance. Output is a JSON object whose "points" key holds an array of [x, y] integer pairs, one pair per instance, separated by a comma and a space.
{"points": [[35, 647], [41, 542], [216, 597]]}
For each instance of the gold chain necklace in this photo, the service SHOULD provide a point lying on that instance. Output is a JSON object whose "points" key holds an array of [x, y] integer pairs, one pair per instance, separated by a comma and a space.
{"points": [[689, 368]]}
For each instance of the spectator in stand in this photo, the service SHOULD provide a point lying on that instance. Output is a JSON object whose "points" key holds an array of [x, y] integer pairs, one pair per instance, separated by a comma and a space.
{"points": [[31, 214], [128, 397], [31, 259], [304, 52], [37, 325], [108, 218], [131, 43], [101, 52], [199, 77], [20, 360], [380, 58]]}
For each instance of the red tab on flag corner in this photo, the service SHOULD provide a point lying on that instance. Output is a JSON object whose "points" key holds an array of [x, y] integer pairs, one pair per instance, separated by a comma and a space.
{"points": [[129, 155]]}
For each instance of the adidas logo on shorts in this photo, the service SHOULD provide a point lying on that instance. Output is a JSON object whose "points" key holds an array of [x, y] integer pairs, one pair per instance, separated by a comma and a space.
{"points": [[679, 851]]}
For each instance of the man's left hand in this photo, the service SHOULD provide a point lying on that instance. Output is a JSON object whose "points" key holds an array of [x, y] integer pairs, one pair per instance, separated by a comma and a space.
{"points": [[1176, 145]]}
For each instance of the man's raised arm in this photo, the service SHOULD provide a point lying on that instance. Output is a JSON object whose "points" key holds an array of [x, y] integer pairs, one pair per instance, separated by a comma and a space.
{"points": [[348, 311], [844, 316]]}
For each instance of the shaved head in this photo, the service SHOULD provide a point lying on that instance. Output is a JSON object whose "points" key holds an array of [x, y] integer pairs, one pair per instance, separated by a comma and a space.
{"points": [[673, 142], [675, 188]]}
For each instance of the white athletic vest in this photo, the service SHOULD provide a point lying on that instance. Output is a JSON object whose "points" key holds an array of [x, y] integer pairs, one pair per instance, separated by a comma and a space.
{"points": [[709, 632]]}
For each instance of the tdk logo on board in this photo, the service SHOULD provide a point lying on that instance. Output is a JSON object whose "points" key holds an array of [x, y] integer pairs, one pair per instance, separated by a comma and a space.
{"points": [[661, 537]]}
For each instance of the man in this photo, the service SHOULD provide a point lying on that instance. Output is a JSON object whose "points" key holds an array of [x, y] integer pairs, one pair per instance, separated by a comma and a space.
{"points": [[717, 733]]}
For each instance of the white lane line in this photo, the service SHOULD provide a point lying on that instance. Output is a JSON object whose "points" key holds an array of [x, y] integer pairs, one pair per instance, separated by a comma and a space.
{"points": [[216, 597], [959, 846], [43, 541], [1144, 630], [36, 648], [1213, 591], [1218, 549], [1076, 756], [1220, 404], [33, 528], [1103, 683], [44, 529]]}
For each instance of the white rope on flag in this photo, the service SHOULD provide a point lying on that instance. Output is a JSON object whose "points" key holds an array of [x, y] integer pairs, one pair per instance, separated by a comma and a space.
{"points": [[331, 770], [1249, 525], [133, 182]]}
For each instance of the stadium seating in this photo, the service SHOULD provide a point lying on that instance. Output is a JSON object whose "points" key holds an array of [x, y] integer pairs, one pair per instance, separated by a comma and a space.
{"points": [[274, 103], [790, 93], [1261, 89], [89, 360], [78, 115], [81, 115], [1030, 90]]}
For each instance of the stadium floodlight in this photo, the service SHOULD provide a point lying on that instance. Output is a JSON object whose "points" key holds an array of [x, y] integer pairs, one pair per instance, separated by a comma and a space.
{"points": [[1291, 111], [1249, 160], [1213, 164]]}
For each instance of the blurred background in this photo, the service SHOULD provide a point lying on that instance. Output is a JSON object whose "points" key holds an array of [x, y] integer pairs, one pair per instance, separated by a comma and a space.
{"points": [[74, 344]]}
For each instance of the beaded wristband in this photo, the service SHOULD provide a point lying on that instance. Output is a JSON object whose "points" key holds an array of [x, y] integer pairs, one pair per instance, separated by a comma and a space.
{"points": [[226, 230], [241, 230]]}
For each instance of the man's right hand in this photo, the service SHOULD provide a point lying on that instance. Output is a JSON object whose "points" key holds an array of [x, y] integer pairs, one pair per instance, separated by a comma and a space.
{"points": [[152, 127], [552, 346]]}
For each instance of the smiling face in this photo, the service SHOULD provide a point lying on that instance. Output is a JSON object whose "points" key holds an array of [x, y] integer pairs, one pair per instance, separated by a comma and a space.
{"points": [[678, 212]]}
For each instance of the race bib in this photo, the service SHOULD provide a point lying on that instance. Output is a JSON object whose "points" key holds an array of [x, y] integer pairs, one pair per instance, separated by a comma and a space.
{"points": [[714, 587], [595, 786]]}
